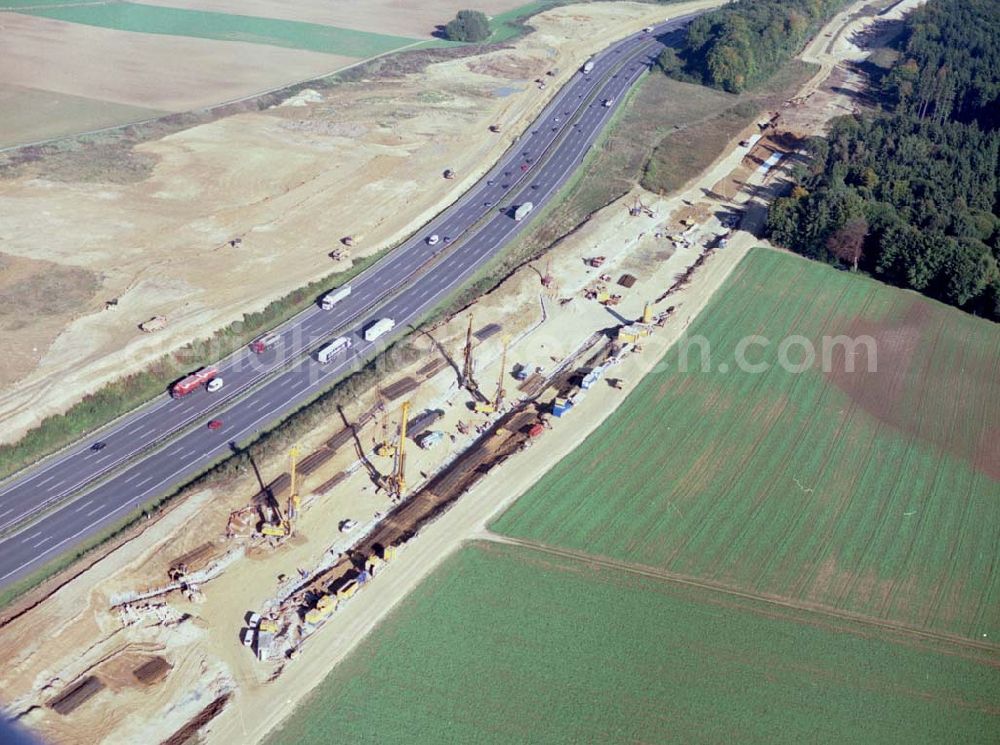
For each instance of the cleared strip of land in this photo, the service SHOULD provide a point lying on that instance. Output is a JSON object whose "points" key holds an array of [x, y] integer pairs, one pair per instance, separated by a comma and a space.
{"points": [[868, 492], [504, 644]]}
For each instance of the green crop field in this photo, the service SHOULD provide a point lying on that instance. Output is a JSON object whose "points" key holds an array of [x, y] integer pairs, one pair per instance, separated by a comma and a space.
{"points": [[510, 645], [156, 19], [874, 493]]}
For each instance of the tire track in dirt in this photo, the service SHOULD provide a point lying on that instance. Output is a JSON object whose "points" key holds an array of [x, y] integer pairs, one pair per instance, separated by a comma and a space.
{"points": [[847, 419], [884, 504], [890, 599], [758, 445], [959, 646], [702, 520]]}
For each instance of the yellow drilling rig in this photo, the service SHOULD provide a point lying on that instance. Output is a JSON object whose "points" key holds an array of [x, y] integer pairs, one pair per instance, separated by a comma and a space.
{"points": [[489, 407], [397, 482], [284, 523]]}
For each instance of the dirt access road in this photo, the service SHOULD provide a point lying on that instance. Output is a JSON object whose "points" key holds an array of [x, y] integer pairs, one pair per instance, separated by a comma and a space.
{"points": [[71, 632]]}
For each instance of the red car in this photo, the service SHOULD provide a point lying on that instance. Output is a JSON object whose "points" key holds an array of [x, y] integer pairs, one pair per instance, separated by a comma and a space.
{"points": [[215, 424]]}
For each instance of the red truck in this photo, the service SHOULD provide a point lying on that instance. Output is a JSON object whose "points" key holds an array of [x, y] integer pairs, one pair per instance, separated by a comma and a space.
{"points": [[265, 343], [192, 381]]}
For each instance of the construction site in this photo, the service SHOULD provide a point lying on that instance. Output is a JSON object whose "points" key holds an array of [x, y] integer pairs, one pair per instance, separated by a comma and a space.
{"points": [[240, 595]]}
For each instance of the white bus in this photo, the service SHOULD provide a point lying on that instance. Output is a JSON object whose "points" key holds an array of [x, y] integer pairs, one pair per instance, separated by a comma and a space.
{"points": [[331, 350]]}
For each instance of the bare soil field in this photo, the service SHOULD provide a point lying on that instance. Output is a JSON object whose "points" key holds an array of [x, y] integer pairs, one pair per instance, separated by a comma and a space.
{"points": [[34, 114], [52, 57], [64, 635], [400, 17], [289, 181]]}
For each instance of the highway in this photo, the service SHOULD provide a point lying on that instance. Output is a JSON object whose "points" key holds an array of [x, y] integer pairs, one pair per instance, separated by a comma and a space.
{"points": [[57, 504]]}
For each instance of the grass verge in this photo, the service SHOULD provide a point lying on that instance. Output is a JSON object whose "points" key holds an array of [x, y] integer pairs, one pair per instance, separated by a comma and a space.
{"points": [[124, 395]]}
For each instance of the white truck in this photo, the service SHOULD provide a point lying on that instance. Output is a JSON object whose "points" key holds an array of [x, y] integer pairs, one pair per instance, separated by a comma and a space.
{"points": [[523, 211], [588, 66], [331, 350], [381, 326], [332, 298]]}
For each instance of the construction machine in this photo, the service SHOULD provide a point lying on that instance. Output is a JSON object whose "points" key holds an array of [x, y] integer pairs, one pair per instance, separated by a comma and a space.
{"points": [[397, 482], [384, 448], [547, 278], [489, 407], [282, 525], [647, 313], [468, 367]]}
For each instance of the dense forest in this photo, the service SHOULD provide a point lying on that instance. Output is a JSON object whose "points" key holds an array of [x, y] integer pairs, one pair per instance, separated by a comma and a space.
{"points": [[745, 42], [911, 194]]}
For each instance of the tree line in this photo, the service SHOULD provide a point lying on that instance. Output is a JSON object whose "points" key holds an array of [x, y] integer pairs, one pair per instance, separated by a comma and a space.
{"points": [[911, 193], [743, 43]]}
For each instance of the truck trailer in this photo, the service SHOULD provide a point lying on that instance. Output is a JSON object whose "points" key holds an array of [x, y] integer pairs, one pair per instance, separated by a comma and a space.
{"points": [[331, 350], [192, 381], [332, 298], [523, 211], [381, 326]]}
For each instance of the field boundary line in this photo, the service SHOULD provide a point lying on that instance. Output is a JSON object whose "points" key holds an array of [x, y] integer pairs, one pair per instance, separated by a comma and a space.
{"points": [[651, 572]]}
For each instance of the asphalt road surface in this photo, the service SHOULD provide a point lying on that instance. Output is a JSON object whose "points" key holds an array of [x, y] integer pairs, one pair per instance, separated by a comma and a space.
{"points": [[57, 504]]}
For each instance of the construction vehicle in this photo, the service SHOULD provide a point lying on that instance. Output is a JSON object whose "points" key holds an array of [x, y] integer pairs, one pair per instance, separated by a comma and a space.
{"points": [[397, 482], [282, 525], [547, 278], [468, 380], [647, 314], [332, 298], [383, 448], [193, 381], [523, 211], [490, 407], [380, 327]]}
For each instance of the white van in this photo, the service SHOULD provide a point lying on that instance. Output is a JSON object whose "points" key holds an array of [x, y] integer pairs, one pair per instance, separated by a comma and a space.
{"points": [[331, 350]]}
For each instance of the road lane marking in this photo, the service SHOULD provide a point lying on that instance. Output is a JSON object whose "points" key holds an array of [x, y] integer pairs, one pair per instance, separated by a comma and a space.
{"points": [[559, 102], [6, 512], [144, 481], [31, 537], [46, 539], [43, 482], [98, 508], [89, 501]]}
